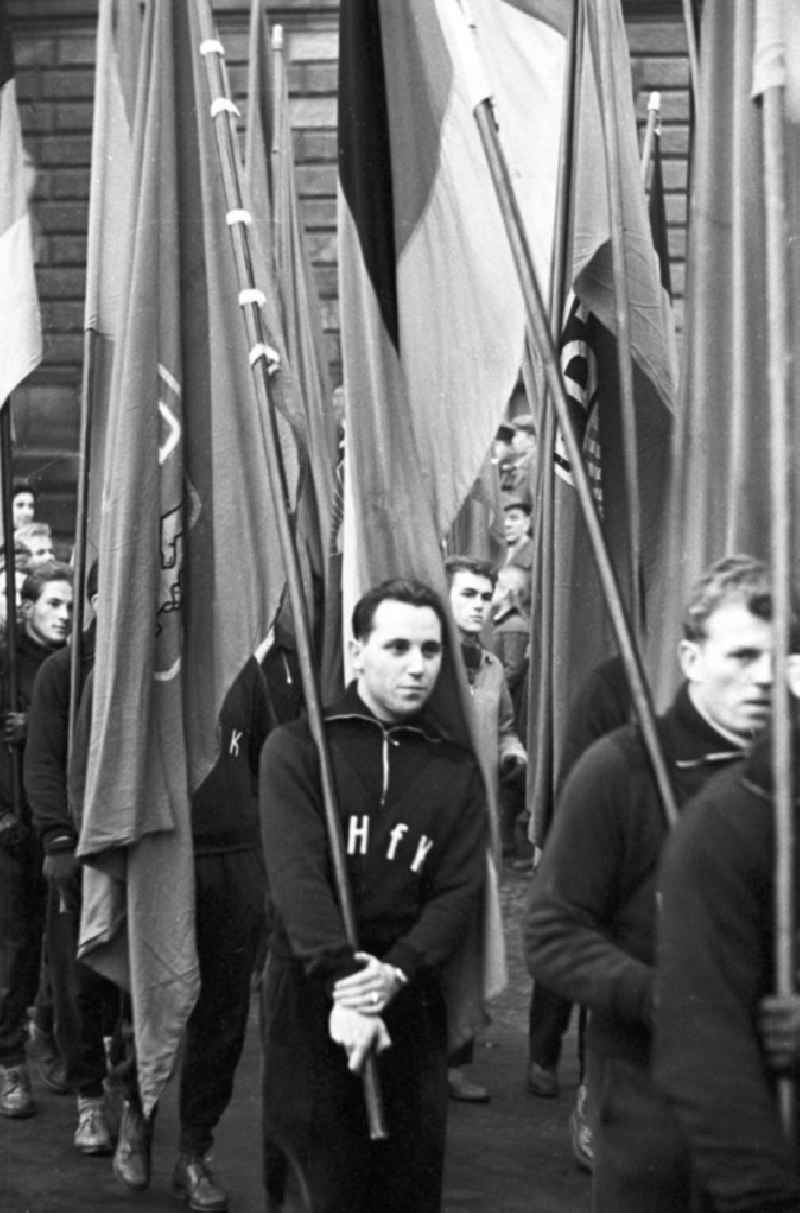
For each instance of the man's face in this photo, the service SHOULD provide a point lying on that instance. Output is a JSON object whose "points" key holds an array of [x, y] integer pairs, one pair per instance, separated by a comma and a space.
{"points": [[41, 550], [730, 670], [470, 601], [48, 620], [24, 508], [398, 663], [516, 524]]}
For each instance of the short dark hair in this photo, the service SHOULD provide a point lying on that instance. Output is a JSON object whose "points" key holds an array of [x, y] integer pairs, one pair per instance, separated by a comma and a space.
{"points": [[738, 578], [397, 589], [469, 564], [23, 486], [41, 575]]}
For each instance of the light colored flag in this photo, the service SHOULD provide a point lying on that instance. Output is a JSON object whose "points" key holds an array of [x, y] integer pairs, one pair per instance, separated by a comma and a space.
{"points": [[20, 323], [190, 568]]}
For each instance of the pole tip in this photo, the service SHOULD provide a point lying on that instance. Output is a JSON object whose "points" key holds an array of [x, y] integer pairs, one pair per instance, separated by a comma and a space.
{"points": [[277, 37], [655, 102]]}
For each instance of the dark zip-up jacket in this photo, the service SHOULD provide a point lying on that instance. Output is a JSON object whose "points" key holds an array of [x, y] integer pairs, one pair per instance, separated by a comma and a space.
{"points": [[591, 920], [714, 967], [412, 812], [30, 656], [46, 749]]}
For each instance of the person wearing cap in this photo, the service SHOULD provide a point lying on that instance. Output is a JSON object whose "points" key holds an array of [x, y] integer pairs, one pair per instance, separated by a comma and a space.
{"points": [[519, 545]]}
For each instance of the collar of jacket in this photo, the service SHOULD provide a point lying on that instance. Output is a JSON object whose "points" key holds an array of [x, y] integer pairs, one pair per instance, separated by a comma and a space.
{"points": [[690, 740], [352, 707], [758, 772]]}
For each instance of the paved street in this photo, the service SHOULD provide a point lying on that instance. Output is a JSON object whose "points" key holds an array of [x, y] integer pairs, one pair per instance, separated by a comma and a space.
{"points": [[511, 1155]]}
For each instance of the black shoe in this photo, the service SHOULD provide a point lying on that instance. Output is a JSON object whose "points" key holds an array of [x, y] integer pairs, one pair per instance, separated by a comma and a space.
{"points": [[542, 1081], [193, 1181]]}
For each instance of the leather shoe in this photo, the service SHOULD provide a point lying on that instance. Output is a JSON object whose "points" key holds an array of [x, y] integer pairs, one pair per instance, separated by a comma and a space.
{"points": [[541, 1081], [464, 1090], [192, 1180], [16, 1098], [131, 1162]]}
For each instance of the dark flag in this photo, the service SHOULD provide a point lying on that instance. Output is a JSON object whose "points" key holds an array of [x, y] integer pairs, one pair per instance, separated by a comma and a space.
{"points": [[190, 567]]}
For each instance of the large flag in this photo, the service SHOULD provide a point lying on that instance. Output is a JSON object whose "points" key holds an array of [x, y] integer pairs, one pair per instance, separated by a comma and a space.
{"points": [[119, 27], [582, 634], [272, 187], [20, 325], [432, 316], [719, 492], [190, 569]]}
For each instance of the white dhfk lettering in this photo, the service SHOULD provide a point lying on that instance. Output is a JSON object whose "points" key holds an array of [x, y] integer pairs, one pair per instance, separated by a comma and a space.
{"points": [[424, 845], [236, 737], [397, 833], [358, 835]]}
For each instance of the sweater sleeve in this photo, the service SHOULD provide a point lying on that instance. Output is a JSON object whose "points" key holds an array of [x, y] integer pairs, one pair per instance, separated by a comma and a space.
{"points": [[454, 889], [46, 756], [712, 970], [296, 855], [573, 895]]}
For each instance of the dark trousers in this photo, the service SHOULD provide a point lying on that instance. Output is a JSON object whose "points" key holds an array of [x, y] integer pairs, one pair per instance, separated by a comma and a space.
{"points": [[640, 1160], [229, 917], [86, 1006], [548, 1020], [314, 1107], [22, 897]]}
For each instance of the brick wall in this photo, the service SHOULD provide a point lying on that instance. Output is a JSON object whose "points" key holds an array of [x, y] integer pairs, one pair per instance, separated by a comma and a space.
{"points": [[54, 52]]}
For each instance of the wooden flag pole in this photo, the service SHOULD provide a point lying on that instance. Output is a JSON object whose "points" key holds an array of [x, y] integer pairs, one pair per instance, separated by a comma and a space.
{"points": [[691, 43], [608, 110], [777, 246], [542, 784], [7, 475], [264, 362], [81, 514], [538, 326], [653, 107]]}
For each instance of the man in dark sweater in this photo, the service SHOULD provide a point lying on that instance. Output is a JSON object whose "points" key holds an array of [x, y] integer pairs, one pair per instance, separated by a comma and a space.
{"points": [[590, 924], [46, 615], [230, 897], [412, 813], [718, 1030]]}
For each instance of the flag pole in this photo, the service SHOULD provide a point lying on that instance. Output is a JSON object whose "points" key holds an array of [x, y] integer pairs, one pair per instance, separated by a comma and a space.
{"points": [[539, 327], [6, 474], [777, 246], [691, 43], [81, 516], [263, 363], [653, 107], [541, 787], [608, 109]]}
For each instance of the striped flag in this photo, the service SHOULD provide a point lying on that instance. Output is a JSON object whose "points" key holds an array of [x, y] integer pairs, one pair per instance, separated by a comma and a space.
{"points": [[20, 323]]}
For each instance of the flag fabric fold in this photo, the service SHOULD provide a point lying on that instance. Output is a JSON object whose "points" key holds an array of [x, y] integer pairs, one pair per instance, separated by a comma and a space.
{"points": [[719, 491], [20, 323], [190, 567]]}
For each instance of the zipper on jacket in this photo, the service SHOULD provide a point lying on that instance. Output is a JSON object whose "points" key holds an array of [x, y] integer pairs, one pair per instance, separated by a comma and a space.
{"points": [[385, 768]]}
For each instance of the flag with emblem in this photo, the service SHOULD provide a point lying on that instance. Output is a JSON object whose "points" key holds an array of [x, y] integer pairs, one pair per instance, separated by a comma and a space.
{"points": [[20, 324], [582, 633], [190, 568]]}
